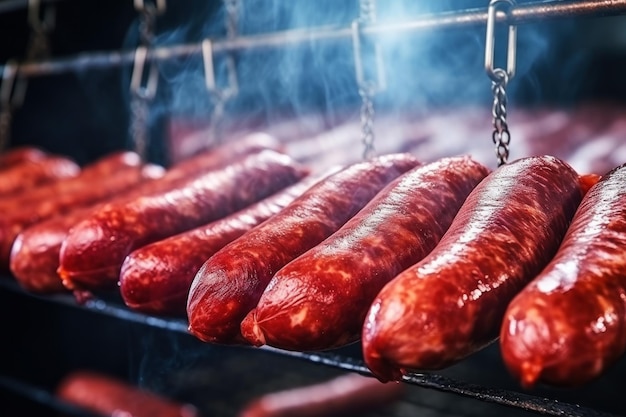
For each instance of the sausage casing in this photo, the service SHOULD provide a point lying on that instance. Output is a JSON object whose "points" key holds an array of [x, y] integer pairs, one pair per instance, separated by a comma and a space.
{"points": [[451, 303], [319, 300], [230, 283]]}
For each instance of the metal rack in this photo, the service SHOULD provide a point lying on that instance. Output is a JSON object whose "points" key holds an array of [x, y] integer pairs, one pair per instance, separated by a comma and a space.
{"points": [[522, 14]]}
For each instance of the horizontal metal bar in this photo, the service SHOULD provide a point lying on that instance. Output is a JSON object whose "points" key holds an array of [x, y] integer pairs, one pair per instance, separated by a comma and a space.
{"points": [[522, 14]]}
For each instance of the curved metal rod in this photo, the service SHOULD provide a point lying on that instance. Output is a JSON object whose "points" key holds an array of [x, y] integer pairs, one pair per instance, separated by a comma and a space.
{"points": [[522, 14]]}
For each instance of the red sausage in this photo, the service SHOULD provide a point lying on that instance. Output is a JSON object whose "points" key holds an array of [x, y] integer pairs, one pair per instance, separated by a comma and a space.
{"points": [[230, 283], [451, 303], [66, 196], [92, 254], [156, 278], [35, 252], [569, 324], [17, 155], [108, 396], [348, 394], [319, 300], [29, 174]]}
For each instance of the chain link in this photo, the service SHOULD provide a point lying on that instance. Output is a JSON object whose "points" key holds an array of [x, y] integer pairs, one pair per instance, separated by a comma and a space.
{"points": [[367, 88], [366, 91], [5, 128], [367, 11], [142, 95], [500, 136], [233, 8]]}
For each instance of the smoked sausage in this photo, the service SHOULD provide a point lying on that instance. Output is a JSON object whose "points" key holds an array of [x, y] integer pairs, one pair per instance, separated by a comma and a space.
{"points": [[81, 191], [230, 283], [155, 279], [93, 252], [569, 324], [108, 396], [348, 394], [451, 303], [29, 174], [35, 251], [319, 300]]}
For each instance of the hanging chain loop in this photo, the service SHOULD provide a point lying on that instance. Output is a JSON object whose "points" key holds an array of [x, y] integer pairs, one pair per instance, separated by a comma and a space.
{"points": [[501, 137], [41, 24], [145, 76], [220, 96], [367, 88], [12, 93]]}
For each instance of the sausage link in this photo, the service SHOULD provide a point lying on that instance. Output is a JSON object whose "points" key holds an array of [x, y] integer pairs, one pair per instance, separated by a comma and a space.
{"points": [[108, 396], [348, 394], [17, 155], [451, 303], [35, 253], [29, 174], [569, 324], [230, 283], [92, 254], [155, 279], [319, 300], [67, 195]]}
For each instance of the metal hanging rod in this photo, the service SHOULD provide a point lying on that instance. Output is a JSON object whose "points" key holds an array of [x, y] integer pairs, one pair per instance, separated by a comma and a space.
{"points": [[522, 14]]}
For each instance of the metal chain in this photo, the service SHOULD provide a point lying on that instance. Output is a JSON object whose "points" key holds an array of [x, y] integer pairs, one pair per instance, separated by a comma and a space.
{"points": [[500, 136], [5, 127], [367, 88], [41, 24], [221, 96], [367, 11], [142, 96], [233, 8], [140, 110], [366, 91]]}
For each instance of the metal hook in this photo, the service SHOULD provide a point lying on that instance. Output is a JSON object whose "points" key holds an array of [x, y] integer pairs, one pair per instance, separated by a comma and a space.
{"points": [[158, 7], [13, 88], [373, 86], [506, 6], [146, 91], [209, 73], [38, 22]]}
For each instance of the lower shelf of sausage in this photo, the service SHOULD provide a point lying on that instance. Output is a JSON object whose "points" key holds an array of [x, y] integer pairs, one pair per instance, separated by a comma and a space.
{"points": [[45, 337]]}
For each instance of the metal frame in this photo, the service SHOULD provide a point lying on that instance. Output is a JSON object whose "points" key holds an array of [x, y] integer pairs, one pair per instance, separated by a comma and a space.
{"points": [[522, 14]]}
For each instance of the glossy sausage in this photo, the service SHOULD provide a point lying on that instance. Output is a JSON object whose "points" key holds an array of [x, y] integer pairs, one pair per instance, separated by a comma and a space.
{"points": [[451, 303], [34, 256], [35, 253], [319, 300], [155, 279], [108, 396], [93, 252], [67, 195], [349, 394], [29, 174], [230, 283], [569, 324]]}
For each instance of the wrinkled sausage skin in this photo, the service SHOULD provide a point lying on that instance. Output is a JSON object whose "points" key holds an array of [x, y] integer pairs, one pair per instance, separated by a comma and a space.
{"points": [[319, 300], [569, 324], [451, 303]]}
